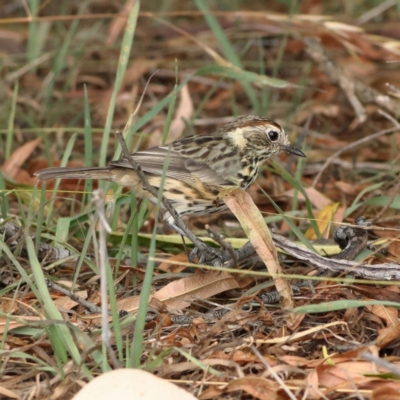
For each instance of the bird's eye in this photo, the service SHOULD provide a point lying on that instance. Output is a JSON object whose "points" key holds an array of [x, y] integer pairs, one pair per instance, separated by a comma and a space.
{"points": [[273, 135]]}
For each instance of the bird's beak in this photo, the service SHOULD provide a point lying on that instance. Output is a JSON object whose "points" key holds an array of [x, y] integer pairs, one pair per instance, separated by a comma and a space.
{"points": [[293, 150]]}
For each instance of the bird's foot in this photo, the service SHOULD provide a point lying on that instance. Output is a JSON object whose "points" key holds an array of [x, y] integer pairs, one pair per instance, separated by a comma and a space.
{"points": [[207, 255]]}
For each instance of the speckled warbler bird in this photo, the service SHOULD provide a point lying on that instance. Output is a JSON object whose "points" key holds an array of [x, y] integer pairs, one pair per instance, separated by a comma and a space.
{"points": [[199, 167]]}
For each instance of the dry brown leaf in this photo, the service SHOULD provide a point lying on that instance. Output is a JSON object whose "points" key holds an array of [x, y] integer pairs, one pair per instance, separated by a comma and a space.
{"points": [[349, 188], [328, 110], [295, 361], [348, 355], [119, 22], [394, 248], [212, 392], [157, 305], [387, 335], [138, 272], [242, 357], [66, 303], [180, 294], [9, 307], [62, 390], [386, 392], [6, 322], [317, 199], [236, 316], [385, 313], [324, 221], [358, 68], [217, 100], [8, 394], [169, 266], [312, 384], [251, 220], [260, 388], [137, 70], [12, 166], [388, 293], [347, 374], [182, 332], [184, 112]]}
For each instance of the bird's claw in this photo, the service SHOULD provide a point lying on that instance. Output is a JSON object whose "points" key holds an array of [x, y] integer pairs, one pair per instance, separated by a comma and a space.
{"points": [[208, 256]]}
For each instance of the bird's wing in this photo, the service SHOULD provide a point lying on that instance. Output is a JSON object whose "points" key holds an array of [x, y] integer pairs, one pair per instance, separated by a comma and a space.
{"points": [[179, 167]]}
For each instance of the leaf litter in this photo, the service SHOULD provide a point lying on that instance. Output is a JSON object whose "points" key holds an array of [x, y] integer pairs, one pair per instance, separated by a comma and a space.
{"points": [[210, 331]]}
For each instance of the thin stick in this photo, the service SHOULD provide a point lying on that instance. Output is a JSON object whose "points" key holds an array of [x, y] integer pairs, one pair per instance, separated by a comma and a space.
{"points": [[273, 373], [88, 305]]}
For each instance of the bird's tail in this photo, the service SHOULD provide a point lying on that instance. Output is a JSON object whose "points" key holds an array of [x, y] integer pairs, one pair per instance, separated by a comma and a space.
{"points": [[75, 173]]}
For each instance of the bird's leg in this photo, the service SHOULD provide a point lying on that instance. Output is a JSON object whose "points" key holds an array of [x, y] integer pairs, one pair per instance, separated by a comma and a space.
{"points": [[206, 254], [185, 247]]}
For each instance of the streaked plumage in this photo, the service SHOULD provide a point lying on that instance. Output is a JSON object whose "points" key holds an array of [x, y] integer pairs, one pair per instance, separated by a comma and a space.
{"points": [[199, 167]]}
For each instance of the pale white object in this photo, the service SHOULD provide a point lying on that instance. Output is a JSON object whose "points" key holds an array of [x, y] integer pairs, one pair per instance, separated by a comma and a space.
{"points": [[131, 384]]}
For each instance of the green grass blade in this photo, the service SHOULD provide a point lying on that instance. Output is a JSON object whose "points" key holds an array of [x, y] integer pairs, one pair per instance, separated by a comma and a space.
{"points": [[3, 197], [40, 216], [137, 343], [198, 363], [342, 305], [293, 227], [247, 76], [62, 230], [60, 62], [227, 49], [33, 46], [126, 47], [135, 230], [59, 333], [217, 70], [219, 34], [296, 184], [384, 201], [357, 203]]}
